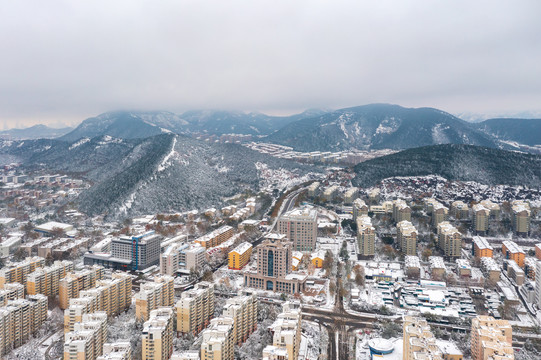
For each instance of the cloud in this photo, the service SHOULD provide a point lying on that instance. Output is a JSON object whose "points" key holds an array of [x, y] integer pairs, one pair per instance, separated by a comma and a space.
{"points": [[70, 60]]}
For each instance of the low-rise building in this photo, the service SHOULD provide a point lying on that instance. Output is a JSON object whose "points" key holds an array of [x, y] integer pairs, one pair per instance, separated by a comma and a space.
{"points": [[216, 237], [511, 251], [240, 256], [437, 267], [180, 257], [481, 248], [412, 266], [515, 272], [490, 269]]}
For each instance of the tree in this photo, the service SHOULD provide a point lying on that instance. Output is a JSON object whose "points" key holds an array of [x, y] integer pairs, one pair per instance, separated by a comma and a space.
{"points": [[358, 270], [426, 254], [328, 262]]}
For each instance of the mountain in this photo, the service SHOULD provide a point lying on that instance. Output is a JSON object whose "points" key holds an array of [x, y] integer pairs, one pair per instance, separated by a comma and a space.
{"points": [[165, 172], [133, 125], [522, 131], [379, 126], [126, 125], [454, 162], [34, 132]]}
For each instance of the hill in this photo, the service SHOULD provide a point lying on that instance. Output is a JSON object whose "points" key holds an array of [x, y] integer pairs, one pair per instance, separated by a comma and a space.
{"points": [[34, 132], [522, 131], [454, 162], [379, 126]]}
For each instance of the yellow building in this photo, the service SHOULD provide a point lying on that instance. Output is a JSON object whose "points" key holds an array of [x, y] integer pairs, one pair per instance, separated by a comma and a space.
{"points": [[19, 319], [195, 308], [449, 239], [521, 216], [46, 280], [317, 259], [366, 236], [117, 351], [481, 215], [218, 342], [481, 247], [157, 337], [459, 210], [407, 237], [86, 340], [74, 282], [440, 213], [419, 343], [286, 339], [243, 311], [153, 295], [240, 256], [19, 271], [511, 251], [401, 211], [491, 339], [12, 291], [216, 237]]}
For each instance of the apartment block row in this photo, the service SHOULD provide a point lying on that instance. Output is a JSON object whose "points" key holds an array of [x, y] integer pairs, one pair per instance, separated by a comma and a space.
{"points": [[18, 272], [286, 335], [87, 339], [109, 296], [152, 295], [215, 237], [19, 319], [46, 280], [75, 282]]}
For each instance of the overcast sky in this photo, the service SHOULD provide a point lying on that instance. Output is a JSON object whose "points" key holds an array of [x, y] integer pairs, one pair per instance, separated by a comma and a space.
{"points": [[64, 61]]}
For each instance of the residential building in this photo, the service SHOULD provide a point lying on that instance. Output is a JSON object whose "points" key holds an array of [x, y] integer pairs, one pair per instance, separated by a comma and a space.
{"points": [[317, 259], [359, 209], [88, 337], [481, 215], [46, 280], [439, 213], [216, 237], [437, 267], [181, 257], [313, 189], [157, 336], [243, 310], [117, 351], [511, 251], [521, 217], [129, 253], [330, 193], [274, 269], [429, 204], [491, 339], [463, 268], [350, 195], [18, 272], [460, 210], [12, 291], [515, 272], [407, 237], [412, 265], [366, 236], [152, 295], [490, 269], [449, 240], [286, 335], [195, 308], [218, 342], [74, 282], [300, 227], [186, 355], [538, 251], [493, 207], [530, 265], [19, 319], [240, 256], [418, 341], [373, 196], [401, 211], [481, 248]]}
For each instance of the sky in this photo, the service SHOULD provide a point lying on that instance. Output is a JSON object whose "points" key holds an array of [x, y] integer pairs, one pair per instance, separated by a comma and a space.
{"points": [[64, 61]]}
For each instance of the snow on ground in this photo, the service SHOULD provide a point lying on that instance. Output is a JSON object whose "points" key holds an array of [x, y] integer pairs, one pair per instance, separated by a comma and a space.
{"points": [[79, 143], [165, 162]]}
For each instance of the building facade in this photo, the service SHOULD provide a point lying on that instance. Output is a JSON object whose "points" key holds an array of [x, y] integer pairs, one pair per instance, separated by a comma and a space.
{"points": [[300, 227]]}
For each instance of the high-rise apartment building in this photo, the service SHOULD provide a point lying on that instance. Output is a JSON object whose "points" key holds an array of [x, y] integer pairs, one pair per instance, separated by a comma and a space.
{"points": [[157, 336], [46, 280], [481, 215], [521, 217], [274, 269], [18, 272], [218, 342], [152, 295], [401, 211], [366, 236], [460, 210], [184, 257], [440, 213], [494, 208], [73, 283], [449, 240], [117, 351], [300, 227], [11, 291], [195, 308], [243, 310], [286, 335], [407, 237], [418, 341], [86, 340], [359, 209], [491, 339]]}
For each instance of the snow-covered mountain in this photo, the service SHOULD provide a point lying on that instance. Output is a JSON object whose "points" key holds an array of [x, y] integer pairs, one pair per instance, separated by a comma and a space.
{"points": [[454, 162], [166, 172], [521, 131], [378, 126], [34, 132]]}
